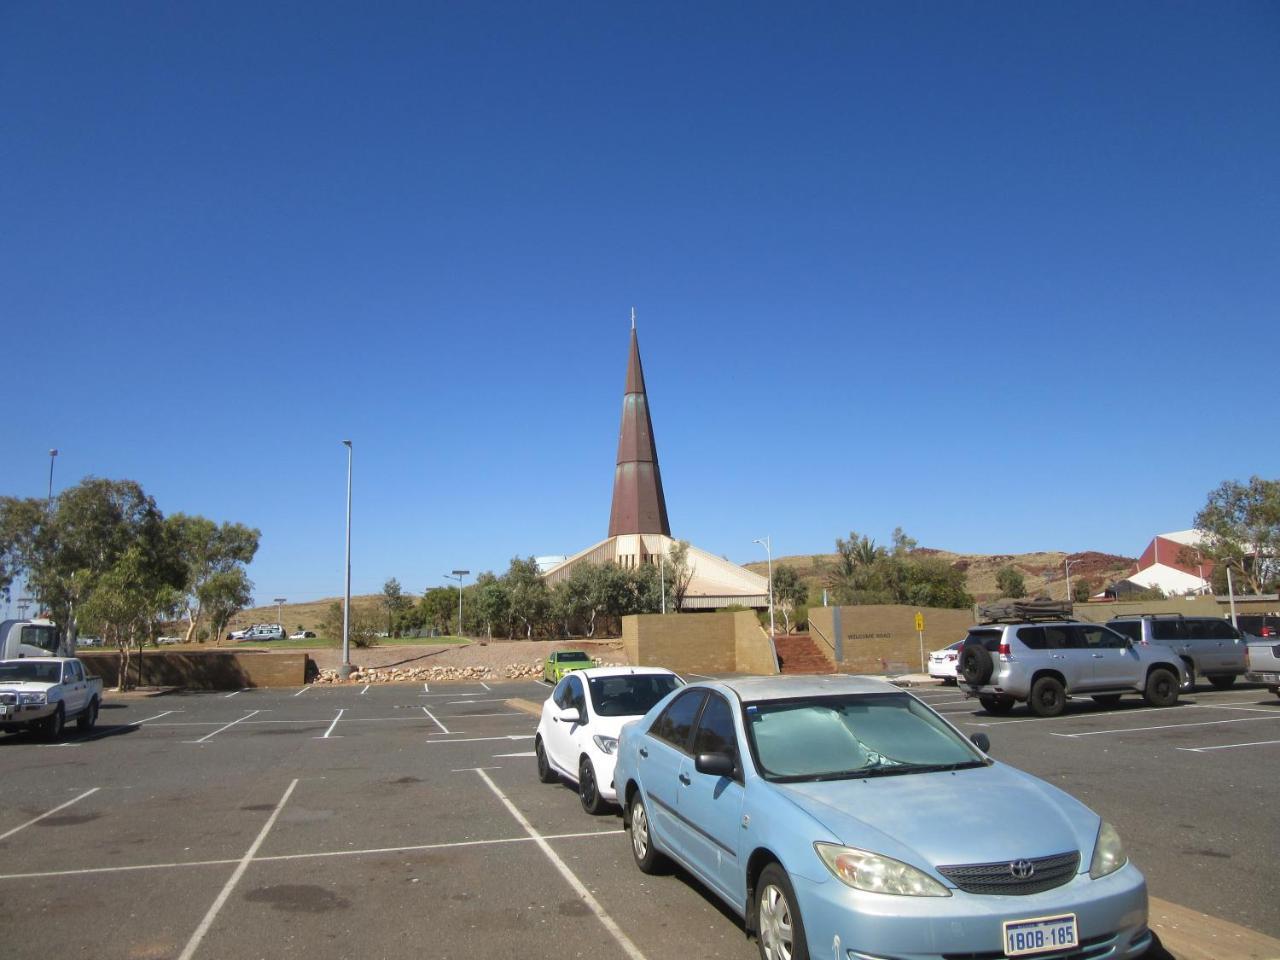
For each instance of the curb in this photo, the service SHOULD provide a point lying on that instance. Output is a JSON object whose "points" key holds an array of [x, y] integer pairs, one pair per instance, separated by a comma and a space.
{"points": [[1187, 934]]}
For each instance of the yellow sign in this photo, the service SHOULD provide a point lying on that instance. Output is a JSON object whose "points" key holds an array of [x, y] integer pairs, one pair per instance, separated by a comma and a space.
{"points": [[919, 623]]}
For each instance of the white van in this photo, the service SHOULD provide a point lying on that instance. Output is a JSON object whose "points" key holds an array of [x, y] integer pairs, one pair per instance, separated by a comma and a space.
{"points": [[31, 638]]}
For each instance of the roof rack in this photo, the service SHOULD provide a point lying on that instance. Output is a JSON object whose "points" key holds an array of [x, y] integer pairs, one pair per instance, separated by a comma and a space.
{"points": [[1023, 611], [1143, 616]]}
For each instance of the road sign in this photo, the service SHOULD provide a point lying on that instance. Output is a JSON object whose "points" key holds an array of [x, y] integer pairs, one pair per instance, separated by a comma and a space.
{"points": [[919, 622]]}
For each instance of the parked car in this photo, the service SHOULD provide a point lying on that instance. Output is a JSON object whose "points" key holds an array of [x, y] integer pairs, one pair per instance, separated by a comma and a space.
{"points": [[1042, 663], [1209, 647], [32, 638], [1263, 659], [263, 631], [578, 733], [167, 641], [302, 635], [942, 663], [43, 693], [88, 641], [561, 662], [841, 816]]}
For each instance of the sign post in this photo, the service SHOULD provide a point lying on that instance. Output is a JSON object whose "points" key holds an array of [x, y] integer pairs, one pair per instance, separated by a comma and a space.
{"points": [[920, 634]]}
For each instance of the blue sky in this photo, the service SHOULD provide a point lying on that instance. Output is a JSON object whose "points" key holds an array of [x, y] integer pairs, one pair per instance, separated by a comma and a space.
{"points": [[1003, 274]]}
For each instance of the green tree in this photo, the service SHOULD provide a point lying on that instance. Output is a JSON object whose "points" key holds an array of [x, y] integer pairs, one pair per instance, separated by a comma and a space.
{"points": [[223, 595], [439, 606], [362, 629], [530, 600], [206, 550], [676, 574], [1081, 589], [1241, 524], [1010, 583], [789, 594], [395, 603], [492, 604]]}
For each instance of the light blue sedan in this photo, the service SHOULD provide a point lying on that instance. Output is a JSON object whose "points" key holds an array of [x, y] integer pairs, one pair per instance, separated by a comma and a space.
{"points": [[842, 817]]}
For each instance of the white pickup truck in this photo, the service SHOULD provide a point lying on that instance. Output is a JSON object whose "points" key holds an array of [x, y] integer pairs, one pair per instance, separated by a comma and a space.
{"points": [[43, 693]]}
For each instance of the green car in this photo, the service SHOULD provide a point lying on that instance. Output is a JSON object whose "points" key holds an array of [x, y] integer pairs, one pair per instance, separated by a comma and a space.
{"points": [[562, 662]]}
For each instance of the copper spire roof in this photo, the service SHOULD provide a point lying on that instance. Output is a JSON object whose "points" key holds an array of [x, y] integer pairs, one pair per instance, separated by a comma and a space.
{"points": [[638, 503]]}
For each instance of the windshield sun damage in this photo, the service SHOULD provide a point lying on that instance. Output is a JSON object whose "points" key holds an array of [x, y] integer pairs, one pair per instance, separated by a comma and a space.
{"points": [[632, 695], [849, 737], [30, 670]]}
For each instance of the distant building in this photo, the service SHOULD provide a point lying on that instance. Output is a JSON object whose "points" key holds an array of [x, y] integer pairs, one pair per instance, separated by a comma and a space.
{"points": [[639, 531], [1174, 563]]}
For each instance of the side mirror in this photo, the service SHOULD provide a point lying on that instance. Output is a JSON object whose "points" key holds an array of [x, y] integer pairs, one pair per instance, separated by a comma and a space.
{"points": [[569, 715], [714, 764], [982, 742]]}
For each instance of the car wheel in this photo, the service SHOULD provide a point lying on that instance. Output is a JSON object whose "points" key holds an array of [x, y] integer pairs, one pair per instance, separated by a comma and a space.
{"points": [[1162, 688], [1223, 681], [1189, 685], [779, 929], [1107, 699], [88, 717], [1048, 697], [589, 790], [545, 773], [999, 705], [54, 726], [647, 858]]}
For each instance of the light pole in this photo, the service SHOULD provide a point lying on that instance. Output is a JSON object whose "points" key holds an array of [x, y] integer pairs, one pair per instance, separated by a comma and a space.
{"points": [[279, 602], [1068, 567], [344, 668], [53, 454], [767, 543], [1231, 590], [458, 575], [662, 577]]}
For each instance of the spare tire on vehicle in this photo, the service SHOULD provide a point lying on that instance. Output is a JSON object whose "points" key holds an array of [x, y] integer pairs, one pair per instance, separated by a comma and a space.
{"points": [[975, 664]]}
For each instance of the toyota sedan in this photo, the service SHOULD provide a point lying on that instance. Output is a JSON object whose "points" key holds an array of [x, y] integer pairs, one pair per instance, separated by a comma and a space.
{"points": [[841, 816]]}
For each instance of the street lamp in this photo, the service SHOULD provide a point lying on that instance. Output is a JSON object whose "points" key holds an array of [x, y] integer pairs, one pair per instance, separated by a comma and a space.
{"points": [[52, 456], [1068, 568], [279, 602], [458, 575], [344, 668], [1231, 590], [767, 543]]}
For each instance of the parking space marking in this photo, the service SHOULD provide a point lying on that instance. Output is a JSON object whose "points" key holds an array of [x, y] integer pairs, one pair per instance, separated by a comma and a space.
{"points": [[1232, 706], [326, 734], [194, 943], [700, 676], [485, 685], [443, 728], [570, 877], [478, 700], [527, 753], [426, 688], [1228, 746], [365, 690], [49, 813], [1164, 726], [210, 736], [512, 736], [234, 692], [303, 690]]}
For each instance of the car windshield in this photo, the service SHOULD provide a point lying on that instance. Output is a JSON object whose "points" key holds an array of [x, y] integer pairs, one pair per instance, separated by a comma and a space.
{"points": [[858, 735], [573, 656], [30, 670], [632, 695]]}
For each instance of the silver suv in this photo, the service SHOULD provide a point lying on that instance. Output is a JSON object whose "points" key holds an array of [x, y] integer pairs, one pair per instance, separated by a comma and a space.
{"points": [[1042, 663], [1208, 646]]}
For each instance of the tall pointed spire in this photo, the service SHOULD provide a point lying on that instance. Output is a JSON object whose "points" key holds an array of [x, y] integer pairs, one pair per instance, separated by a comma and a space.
{"points": [[638, 503]]}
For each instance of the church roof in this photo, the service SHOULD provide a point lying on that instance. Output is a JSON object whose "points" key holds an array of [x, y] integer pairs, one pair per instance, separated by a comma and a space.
{"points": [[639, 505]]}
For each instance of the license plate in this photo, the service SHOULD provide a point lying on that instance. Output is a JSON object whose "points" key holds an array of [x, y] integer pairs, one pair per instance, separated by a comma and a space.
{"points": [[1043, 935]]}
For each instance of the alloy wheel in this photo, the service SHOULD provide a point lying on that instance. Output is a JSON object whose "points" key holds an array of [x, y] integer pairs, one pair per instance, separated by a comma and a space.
{"points": [[776, 934], [639, 831]]}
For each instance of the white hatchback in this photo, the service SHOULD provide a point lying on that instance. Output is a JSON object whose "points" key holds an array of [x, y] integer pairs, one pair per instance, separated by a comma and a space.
{"points": [[578, 733]]}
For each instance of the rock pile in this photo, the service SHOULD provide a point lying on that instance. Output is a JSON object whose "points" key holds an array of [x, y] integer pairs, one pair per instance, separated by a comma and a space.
{"points": [[512, 671]]}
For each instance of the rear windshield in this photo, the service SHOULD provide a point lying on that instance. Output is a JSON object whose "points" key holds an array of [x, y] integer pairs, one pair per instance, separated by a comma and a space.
{"points": [[632, 695], [988, 638], [573, 656], [30, 670], [1130, 628]]}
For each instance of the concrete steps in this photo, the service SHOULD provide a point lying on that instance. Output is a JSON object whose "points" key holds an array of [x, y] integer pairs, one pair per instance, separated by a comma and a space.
{"points": [[797, 653]]}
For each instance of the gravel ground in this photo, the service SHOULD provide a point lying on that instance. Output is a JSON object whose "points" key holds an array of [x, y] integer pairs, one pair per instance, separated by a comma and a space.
{"points": [[493, 653]]}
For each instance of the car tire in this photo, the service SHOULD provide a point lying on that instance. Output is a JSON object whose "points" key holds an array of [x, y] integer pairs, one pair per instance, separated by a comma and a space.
{"points": [[1161, 689], [545, 773], [88, 716], [996, 705], [1048, 697], [589, 790], [55, 725], [1106, 699], [779, 928], [1189, 685], [645, 854], [975, 664], [1223, 681]]}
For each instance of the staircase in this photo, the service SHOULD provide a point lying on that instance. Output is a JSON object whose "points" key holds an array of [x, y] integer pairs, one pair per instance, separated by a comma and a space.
{"points": [[797, 653]]}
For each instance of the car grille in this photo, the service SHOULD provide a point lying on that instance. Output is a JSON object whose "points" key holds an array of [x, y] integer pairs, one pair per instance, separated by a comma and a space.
{"points": [[1093, 948], [9, 699], [998, 878]]}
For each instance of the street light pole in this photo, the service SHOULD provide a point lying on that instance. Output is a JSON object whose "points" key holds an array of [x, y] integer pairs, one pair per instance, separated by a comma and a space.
{"points": [[767, 543], [1068, 568], [279, 602], [1231, 591], [53, 454], [458, 575], [344, 668]]}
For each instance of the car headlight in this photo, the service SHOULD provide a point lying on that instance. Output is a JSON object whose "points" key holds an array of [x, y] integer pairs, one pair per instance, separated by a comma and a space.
{"points": [[31, 698], [1108, 852], [607, 745], [876, 874]]}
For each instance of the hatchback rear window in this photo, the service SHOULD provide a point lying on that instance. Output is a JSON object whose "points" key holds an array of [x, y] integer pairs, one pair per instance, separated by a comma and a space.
{"points": [[990, 639]]}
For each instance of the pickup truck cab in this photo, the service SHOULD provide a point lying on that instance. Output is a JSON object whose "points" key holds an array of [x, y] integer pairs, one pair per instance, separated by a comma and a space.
{"points": [[31, 638], [1209, 647], [43, 693]]}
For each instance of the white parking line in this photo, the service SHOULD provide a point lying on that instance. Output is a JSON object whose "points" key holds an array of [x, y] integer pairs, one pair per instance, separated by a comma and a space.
{"points": [[443, 728], [326, 734], [513, 736], [1228, 746], [243, 865], [303, 690], [49, 813], [527, 753], [210, 736], [700, 676], [579, 888], [450, 703], [365, 690], [1232, 706], [485, 685], [234, 692], [1163, 726], [138, 723]]}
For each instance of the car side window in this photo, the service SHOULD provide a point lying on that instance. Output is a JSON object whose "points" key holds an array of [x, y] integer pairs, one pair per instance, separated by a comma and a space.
{"points": [[1032, 637], [1218, 630], [1058, 638], [1100, 638], [73, 672], [1166, 630], [576, 697], [676, 722], [1129, 628], [715, 729], [560, 697]]}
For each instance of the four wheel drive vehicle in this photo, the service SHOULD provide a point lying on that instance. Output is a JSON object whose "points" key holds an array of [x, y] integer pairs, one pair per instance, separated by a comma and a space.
{"points": [[578, 732], [43, 693], [263, 631], [559, 663], [841, 816], [1044, 663], [942, 663], [1209, 646], [1263, 659], [32, 638]]}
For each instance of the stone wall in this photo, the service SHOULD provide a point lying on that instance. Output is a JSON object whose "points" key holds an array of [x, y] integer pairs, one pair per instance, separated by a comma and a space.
{"points": [[201, 669], [699, 642], [882, 638]]}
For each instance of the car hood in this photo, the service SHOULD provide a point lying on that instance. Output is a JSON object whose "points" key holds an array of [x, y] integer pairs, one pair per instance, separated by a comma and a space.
{"points": [[981, 815], [13, 686]]}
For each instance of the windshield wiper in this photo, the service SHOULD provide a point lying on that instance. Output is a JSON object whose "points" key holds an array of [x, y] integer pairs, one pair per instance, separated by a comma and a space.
{"points": [[943, 767]]}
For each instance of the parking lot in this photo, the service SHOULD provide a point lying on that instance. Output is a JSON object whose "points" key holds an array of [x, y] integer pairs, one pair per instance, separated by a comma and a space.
{"points": [[389, 821]]}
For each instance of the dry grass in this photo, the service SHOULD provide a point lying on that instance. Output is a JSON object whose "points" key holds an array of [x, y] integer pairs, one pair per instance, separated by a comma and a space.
{"points": [[308, 615]]}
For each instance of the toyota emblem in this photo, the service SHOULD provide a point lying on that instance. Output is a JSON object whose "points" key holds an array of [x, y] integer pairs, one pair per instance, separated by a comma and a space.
{"points": [[1022, 869]]}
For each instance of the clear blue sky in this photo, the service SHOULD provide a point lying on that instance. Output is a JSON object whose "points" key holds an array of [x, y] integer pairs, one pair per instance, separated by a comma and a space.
{"points": [[1004, 274]]}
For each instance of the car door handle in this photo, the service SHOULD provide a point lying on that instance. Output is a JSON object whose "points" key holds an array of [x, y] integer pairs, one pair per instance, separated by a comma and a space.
{"points": [[684, 778], [644, 752], [1097, 656]]}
